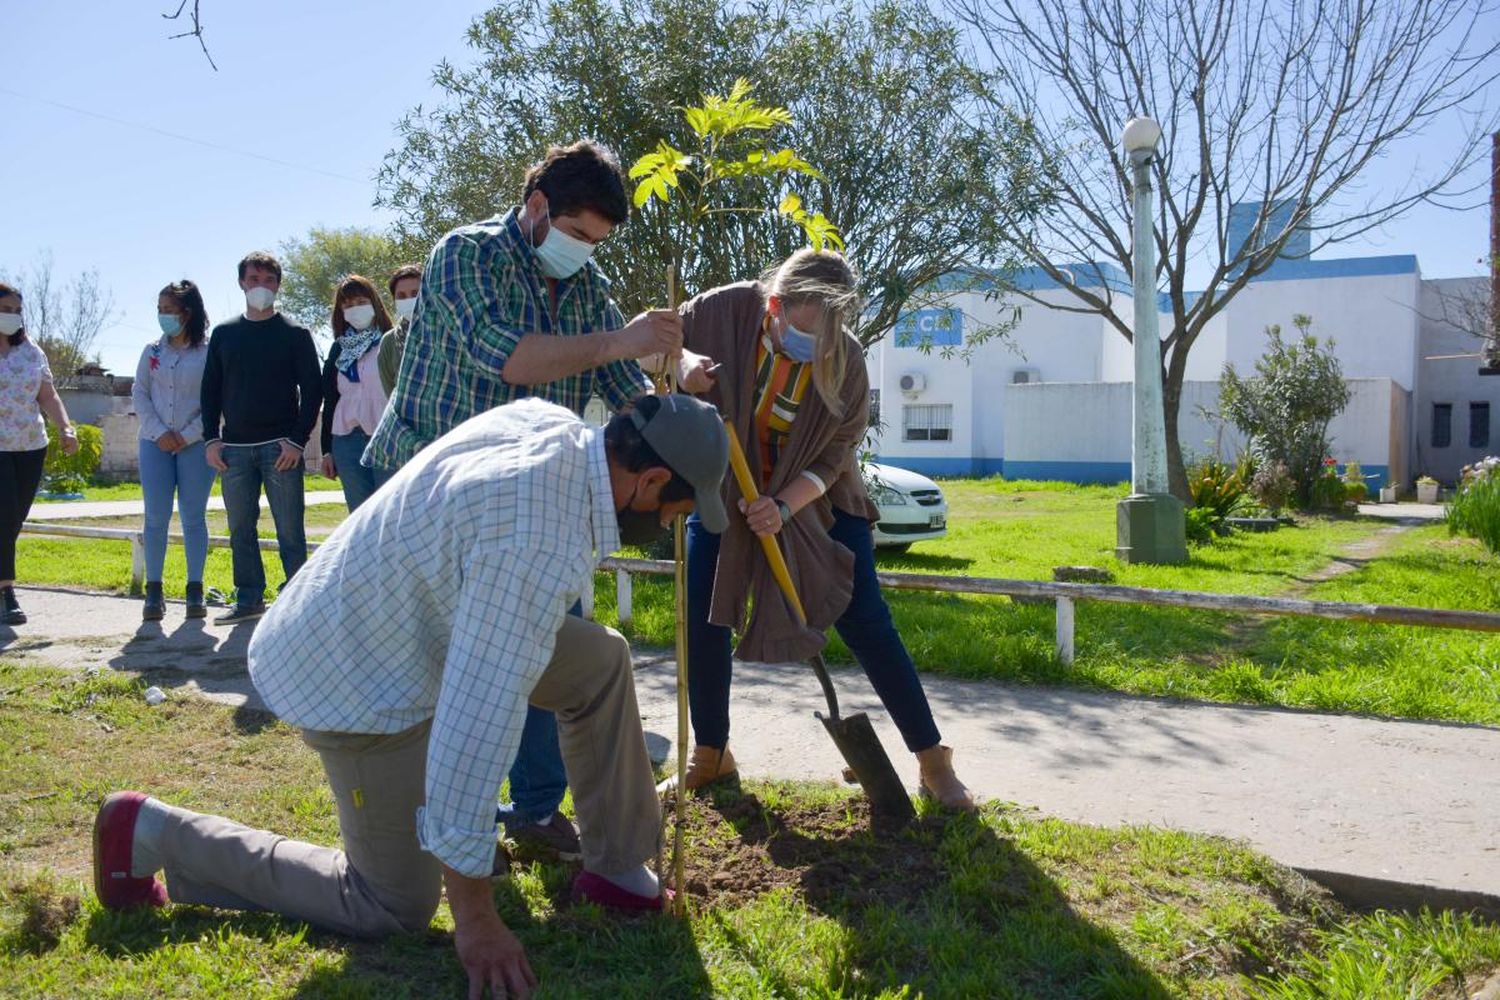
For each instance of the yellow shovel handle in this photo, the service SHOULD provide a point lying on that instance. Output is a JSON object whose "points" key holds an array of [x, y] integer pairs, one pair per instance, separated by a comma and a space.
{"points": [[767, 542]]}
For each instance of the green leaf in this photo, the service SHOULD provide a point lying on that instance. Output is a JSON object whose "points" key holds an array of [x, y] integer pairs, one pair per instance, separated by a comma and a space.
{"points": [[658, 171]]}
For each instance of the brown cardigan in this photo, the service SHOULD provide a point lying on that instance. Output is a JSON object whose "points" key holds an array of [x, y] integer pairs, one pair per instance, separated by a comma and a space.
{"points": [[725, 324]]}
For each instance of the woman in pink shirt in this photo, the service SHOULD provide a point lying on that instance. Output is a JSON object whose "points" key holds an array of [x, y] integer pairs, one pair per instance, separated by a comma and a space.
{"points": [[352, 394]]}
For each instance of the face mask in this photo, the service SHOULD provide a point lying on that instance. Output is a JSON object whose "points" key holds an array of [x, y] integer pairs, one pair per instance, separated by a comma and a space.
{"points": [[10, 324], [795, 344], [639, 527], [170, 323], [562, 256], [404, 308], [260, 298], [359, 317]]}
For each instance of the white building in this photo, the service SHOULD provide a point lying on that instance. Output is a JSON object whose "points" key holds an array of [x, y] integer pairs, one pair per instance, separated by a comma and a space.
{"points": [[1053, 401]]}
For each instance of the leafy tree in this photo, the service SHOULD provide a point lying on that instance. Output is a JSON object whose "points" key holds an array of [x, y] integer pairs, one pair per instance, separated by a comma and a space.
{"points": [[1280, 109], [313, 267], [880, 98], [1285, 409]]}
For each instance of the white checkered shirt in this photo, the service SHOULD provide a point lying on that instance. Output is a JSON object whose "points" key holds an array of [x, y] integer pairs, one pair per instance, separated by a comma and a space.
{"points": [[440, 598]]}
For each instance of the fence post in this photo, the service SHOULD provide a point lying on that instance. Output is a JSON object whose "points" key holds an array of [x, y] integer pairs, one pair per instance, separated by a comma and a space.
{"points": [[137, 563], [587, 599], [1065, 630], [622, 596]]}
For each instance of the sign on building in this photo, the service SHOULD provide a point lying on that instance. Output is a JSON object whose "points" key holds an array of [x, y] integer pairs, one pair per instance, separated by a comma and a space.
{"points": [[930, 327]]}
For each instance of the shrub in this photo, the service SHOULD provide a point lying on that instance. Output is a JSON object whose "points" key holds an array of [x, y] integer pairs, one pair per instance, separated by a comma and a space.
{"points": [[1219, 490], [1327, 490], [1475, 510], [70, 473], [1272, 487], [1200, 525], [1356, 489]]}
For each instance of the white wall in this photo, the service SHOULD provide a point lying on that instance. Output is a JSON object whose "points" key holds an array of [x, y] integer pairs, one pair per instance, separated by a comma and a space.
{"points": [[1453, 380]]}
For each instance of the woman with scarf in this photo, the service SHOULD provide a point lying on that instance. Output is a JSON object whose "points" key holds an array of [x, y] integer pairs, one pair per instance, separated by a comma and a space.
{"points": [[792, 383], [353, 397]]}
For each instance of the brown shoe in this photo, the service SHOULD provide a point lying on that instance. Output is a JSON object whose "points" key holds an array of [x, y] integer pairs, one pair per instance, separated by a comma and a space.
{"points": [[939, 783], [709, 764]]}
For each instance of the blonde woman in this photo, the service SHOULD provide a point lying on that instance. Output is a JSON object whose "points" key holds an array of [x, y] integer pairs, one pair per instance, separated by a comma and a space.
{"points": [[792, 382]]}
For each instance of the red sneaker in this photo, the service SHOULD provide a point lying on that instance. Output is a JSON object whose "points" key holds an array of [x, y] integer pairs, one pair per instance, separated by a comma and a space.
{"points": [[591, 888], [114, 835]]}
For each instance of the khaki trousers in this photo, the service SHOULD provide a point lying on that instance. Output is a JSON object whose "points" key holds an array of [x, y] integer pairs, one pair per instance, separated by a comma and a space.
{"points": [[382, 882]]}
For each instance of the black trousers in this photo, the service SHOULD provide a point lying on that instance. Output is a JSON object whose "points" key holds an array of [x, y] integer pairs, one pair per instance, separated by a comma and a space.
{"points": [[20, 475]]}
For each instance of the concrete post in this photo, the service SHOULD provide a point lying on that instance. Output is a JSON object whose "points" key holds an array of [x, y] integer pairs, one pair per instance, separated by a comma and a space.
{"points": [[623, 611], [1065, 630], [137, 563]]}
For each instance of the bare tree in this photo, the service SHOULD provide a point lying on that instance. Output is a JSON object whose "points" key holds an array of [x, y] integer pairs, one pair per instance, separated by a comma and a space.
{"points": [[1466, 307], [1279, 108], [65, 319], [196, 31]]}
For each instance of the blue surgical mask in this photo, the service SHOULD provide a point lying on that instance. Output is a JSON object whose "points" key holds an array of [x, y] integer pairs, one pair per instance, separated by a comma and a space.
{"points": [[170, 323], [796, 344], [562, 255]]}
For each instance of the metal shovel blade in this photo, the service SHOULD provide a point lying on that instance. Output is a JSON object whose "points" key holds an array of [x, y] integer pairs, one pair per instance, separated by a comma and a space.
{"points": [[890, 806]]}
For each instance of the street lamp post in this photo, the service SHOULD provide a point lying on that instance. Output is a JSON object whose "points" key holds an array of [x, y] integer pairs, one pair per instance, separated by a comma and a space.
{"points": [[1149, 524]]}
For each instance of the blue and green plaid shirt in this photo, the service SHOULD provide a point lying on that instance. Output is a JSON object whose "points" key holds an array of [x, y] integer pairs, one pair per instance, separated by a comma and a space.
{"points": [[482, 291]]}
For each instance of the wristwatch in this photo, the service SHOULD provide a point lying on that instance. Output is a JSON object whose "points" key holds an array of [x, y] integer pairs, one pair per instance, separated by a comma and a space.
{"points": [[786, 511]]}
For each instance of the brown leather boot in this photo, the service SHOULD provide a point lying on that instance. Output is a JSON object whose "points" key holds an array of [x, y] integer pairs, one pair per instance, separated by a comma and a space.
{"points": [[938, 782], [709, 764]]}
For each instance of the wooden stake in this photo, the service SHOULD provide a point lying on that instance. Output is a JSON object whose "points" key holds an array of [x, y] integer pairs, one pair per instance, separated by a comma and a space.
{"points": [[667, 379]]}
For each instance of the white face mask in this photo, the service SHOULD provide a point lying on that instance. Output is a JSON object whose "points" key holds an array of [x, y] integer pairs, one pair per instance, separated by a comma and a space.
{"points": [[10, 323], [359, 317], [260, 298], [405, 307]]}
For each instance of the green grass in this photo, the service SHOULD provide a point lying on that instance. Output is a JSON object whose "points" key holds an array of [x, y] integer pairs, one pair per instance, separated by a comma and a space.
{"points": [[132, 491], [1023, 529], [791, 896]]}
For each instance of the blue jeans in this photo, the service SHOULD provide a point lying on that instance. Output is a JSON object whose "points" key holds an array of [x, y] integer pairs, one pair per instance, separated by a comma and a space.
{"points": [[538, 779], [250, 468], [359, 482], [866, 628], [188, 475]]}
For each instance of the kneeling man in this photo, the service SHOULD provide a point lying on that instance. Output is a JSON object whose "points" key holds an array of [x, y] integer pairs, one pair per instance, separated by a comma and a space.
{"points": [[407, 650]]}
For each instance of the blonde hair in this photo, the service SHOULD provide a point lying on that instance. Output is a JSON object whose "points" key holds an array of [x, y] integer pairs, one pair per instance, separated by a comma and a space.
{"points": [[825, 279]]}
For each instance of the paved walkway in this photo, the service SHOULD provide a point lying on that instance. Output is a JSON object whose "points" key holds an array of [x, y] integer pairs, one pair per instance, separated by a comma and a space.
{"points": [[1384, 808], [1403, 511], [71, 509]]}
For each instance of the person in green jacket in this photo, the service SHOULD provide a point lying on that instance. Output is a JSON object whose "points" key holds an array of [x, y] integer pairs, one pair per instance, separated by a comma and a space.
{"points": [[405, 282]]}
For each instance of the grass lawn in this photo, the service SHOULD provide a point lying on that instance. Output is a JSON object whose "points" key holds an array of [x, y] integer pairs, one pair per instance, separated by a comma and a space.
{"points": [[1024, 529], [790, 897], [132, 491]]}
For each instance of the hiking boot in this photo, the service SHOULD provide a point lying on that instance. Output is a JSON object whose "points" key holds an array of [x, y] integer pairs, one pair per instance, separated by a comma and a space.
{"points": [[12, 613], [556, 838], [707, 765], [938, 782], [114, 842], [155, 608], [241, 613], [197, 607]]}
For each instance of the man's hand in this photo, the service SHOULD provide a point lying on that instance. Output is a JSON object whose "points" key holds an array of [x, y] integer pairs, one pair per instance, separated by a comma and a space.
{"points": [[330, 468], [658, 331], [697, 373], [763, 516], [493, 957], [288, 458], [487, 949], [213, 454]]}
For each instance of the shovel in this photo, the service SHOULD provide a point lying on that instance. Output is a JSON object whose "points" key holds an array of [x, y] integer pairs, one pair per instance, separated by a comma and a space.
{"points": [[890, 806]]}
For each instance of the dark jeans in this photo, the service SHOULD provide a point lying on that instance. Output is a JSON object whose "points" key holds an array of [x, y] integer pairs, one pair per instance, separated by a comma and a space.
{"points": [[865, 627], [359, 482], [250, 467], [20, 475], [538, 779]]}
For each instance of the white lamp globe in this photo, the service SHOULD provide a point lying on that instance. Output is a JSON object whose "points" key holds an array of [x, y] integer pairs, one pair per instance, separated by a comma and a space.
{"points": [[1141, 135]]}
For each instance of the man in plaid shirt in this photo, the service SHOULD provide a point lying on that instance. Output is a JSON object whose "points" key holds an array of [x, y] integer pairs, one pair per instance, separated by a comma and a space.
{"points": [[514, 307]]}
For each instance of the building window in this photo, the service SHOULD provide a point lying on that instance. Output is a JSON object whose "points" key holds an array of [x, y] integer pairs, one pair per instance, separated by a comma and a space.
{"points": [[927, 422], [1479, 425], [1442, 425]]}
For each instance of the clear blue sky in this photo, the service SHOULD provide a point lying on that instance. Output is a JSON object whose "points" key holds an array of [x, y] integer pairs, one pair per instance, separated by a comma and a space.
{"points": [[318, 86]]}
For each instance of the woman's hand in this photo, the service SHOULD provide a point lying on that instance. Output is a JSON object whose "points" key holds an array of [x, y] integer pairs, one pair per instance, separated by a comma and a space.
{"points": [[763, 516], [68, 438], [697, 373], [171, 442]]}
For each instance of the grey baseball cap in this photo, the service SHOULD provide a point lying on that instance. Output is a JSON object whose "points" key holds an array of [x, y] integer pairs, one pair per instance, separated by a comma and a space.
{"points": [[690, 437]]}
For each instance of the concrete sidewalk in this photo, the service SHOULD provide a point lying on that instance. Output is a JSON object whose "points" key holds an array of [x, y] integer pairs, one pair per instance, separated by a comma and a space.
{"points": [[70, 509], [1393, 813]]}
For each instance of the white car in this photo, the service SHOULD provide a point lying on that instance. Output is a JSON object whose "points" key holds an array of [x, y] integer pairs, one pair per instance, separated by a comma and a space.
{"points": [[912, 508]]}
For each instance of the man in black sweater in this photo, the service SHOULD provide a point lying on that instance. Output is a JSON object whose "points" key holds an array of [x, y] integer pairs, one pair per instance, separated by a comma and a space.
{"points": [[261, 381]]}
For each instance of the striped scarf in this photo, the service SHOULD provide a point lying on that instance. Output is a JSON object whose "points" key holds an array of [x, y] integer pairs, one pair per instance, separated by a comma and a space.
{"points": [[780, 384]]}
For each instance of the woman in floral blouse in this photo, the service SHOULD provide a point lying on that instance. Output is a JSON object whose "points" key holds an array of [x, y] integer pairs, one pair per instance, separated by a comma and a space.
{"points": [[167, 395], [26, 392]]}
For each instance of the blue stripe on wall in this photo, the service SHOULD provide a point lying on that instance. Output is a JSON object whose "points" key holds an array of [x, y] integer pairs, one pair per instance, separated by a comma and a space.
{"points": [[1069, 472], [1376, 476], [944, 467]]}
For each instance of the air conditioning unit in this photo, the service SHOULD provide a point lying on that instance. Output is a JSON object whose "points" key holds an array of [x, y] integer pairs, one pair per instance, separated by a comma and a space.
{"points": [[913, 382], [1025, 376]]}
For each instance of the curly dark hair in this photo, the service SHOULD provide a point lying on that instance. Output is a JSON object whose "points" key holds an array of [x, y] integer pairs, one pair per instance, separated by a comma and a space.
{"points": [[585, 175]]}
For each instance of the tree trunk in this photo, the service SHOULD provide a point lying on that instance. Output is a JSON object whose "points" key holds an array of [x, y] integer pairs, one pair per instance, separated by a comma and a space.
{"points": [[1171, 401]]}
